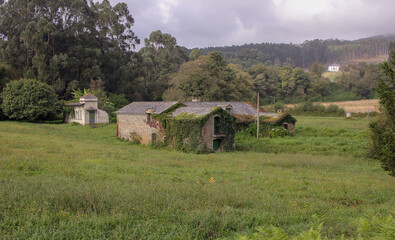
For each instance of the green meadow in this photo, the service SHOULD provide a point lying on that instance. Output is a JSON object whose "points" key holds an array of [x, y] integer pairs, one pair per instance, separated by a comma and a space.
{"points": [[60, 181]]}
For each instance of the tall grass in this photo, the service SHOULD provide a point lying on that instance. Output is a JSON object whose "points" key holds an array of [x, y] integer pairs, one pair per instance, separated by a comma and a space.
{"points": [[63, 181]]}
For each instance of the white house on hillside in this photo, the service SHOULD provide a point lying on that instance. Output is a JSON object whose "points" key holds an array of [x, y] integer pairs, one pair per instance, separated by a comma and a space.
{"points": [[333, 68], [87, 111]]}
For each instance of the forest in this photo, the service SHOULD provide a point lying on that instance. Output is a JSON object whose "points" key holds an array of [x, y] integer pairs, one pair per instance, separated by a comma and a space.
{"points": [[74, 45]]}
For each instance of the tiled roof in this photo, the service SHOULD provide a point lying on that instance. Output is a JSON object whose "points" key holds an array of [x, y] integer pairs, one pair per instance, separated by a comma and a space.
{"points": [[197, 111], [142, 107], [237, 107], [89, 96]]}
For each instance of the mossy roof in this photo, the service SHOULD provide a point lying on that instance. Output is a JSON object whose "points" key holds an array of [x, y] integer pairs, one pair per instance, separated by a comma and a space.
{"points": [[142, 107], [193, 111], [238, 108]]}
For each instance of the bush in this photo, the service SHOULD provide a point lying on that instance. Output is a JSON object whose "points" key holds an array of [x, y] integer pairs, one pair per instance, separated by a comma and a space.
{"points": [[310, 109], [278, 132], [29, 99], [383, 128]]}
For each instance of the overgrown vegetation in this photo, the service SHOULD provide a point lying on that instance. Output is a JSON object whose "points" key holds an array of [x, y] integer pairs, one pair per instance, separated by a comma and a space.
{"points": [[314, 135], [185, 131], [383, 128], [63, 181], [310, 109]]}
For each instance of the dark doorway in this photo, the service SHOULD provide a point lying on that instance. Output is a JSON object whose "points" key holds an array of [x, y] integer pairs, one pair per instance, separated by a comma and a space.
{"points": [[216, 144], [91, 117]]}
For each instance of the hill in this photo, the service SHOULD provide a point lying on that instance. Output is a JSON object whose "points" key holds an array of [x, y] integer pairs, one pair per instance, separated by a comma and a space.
{"points": [[303, 55]]}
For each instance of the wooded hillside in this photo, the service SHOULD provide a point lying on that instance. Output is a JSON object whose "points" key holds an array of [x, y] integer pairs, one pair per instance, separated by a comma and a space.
{"points": [[304, 55]]}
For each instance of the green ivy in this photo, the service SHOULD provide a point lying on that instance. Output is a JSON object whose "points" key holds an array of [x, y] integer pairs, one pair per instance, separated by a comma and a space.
{"points": [[184, 132]]}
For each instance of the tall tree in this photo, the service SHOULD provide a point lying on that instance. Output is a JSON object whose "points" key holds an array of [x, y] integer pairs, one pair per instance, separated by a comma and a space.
{"points": [[383, 128], [67, 43], [161, 58]]}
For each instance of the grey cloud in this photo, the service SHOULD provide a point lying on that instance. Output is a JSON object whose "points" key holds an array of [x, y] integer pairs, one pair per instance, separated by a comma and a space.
{"points": [[232, 22]]}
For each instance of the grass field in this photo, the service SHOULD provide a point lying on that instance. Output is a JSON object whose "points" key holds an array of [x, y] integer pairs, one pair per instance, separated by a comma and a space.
{"points": [[66, 182]]}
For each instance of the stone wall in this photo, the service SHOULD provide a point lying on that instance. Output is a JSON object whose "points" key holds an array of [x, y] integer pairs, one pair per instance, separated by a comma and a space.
{"points": [[208, 132], [128, 123], [101, 117]]}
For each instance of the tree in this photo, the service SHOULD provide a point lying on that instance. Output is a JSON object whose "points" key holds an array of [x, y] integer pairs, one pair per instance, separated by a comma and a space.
{"points": [[383, 128], [210, 79], [161, 58], [67, 43], [29, 99]]}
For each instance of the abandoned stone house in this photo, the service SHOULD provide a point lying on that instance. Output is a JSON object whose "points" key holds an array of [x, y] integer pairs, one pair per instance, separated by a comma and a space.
{"points": [[180, 126], [86, 111], [199, 125]]}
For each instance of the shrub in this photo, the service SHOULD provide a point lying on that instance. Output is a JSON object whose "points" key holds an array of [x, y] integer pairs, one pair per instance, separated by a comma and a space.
{"points": [[29, 99], [383, 128], [308, 108], [278, 132]]}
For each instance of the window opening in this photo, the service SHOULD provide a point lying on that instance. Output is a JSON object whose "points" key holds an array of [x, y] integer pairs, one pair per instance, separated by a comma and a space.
{"points": [[216, 125]]}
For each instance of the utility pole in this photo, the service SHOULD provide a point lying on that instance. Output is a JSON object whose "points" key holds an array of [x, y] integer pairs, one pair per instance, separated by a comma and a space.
{"points": [[257, 116]]}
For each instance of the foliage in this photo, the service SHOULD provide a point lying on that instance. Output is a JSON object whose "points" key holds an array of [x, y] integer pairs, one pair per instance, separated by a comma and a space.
{"points": [[68, 43], [62, 181], [210, 79], [29, 99], [161, 57], [303, 55], [310, 109], [314, 135], [383, 128], [370, 227], [117, 100], [184, 132], [103, 101], [135, 138], [278, 132]]}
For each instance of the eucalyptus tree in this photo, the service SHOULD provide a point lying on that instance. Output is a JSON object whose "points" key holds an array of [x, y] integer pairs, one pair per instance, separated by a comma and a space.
{"points": [[67, 43]]}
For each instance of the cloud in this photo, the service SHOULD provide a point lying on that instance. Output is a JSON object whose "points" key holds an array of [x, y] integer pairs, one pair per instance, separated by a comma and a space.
{"points": [[233, 22]]}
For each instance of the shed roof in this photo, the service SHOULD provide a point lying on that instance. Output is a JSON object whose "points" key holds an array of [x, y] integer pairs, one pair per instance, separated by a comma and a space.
{"points": [[142, 107], [238, 108]]}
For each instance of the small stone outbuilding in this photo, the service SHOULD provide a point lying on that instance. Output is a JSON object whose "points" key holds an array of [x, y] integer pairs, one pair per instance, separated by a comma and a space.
{"points": [[86, 111], [136, 122]]}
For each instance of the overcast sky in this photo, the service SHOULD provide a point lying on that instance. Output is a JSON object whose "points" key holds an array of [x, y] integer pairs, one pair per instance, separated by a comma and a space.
{"points": [[203, 23]]}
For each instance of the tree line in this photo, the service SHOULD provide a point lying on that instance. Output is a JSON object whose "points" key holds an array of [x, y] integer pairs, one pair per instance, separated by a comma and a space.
{"points": [[303, 55], [73, 45]]}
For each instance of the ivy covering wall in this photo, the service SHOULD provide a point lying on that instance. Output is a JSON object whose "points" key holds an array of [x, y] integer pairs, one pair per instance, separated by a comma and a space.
{"points": [[184, 131]]}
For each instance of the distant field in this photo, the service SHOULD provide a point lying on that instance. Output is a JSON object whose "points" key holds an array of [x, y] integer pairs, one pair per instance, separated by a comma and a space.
{"points": [[360, 106], [76, 182], [331, 75], [375, 60]]}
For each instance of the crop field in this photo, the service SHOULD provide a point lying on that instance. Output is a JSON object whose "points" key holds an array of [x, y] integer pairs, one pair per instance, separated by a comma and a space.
{"points": [[66, 182], [358, 106]]}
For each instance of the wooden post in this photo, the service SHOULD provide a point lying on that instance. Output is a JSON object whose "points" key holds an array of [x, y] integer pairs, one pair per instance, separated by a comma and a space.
{"points": [[257, 116]]}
